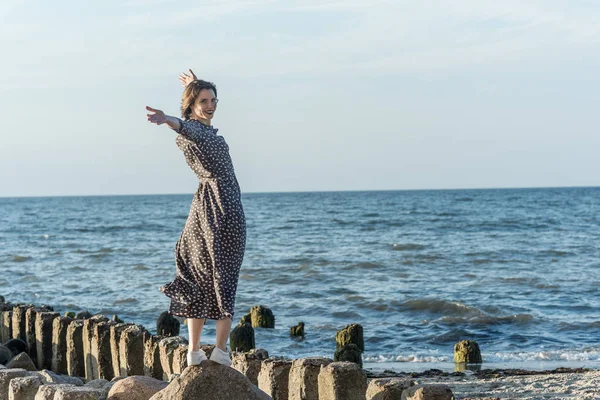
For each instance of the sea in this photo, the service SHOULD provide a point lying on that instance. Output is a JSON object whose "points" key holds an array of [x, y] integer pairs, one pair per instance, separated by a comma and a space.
{"points": [[517, 270]]}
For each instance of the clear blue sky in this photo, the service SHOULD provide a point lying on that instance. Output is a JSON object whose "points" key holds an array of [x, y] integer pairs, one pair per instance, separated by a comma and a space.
{"points": [[315, 95]]}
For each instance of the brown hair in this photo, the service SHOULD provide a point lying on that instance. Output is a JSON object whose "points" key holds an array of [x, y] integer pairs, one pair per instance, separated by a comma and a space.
{"points": [[191, 93]]}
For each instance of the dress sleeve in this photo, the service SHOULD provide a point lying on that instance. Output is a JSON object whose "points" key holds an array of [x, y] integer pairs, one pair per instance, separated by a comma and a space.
{"points": [[191, 131]]}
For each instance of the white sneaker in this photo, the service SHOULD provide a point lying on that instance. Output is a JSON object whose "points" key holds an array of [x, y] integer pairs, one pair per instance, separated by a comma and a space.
{"points": [[220, 356], [196, 357]]}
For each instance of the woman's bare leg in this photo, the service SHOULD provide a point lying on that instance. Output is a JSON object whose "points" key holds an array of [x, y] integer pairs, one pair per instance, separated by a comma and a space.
{"points": [[223, 330], [195, 326]]}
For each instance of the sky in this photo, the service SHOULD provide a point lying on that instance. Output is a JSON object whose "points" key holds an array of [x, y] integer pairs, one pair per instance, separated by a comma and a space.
{"points": [[315, 95]]}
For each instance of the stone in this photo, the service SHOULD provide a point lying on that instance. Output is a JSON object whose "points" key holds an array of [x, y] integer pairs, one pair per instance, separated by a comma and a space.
{"points": [[249, 363], [167, 325], [352, 333], [205, 381], [101, 384], [46, 392], [167, 348], [43, 337], [241, 338], [75, 355], [30, 315], [22, 360], [16, 346], [304, 378], [349, 352], [246, 319], [342, 381], [59, 344], [18, 322], [467, 351], [24, 388], [152, 365], [131, 350], [136, 388], [387, 388], [78, 393], [273, 377], [262, 317], [5, 354], [6, 375], [100, 347], [5, 326], [115, 339], [298, 330], [70, 314], [180, 359], [54, 378], [83, 315], [428, 392], [91, 360], [116, 319]]}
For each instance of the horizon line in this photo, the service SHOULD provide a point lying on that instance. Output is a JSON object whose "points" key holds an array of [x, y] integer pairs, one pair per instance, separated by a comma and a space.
{"points": [[311, 191]]}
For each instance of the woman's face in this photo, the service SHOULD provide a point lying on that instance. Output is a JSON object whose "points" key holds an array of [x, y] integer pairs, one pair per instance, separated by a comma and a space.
{"points": [[205, 105]]}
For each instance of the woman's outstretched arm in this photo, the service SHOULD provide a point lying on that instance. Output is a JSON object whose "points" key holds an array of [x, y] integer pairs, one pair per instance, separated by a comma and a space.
{"points": [[160, 118]]}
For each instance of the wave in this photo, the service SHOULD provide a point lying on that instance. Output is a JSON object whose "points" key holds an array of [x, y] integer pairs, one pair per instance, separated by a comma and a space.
{"points": [[125, 301], [407, 246], [18, 258], [140, 267], [487, 320], [584, 354], [441, 307], [362, 265], [577, 326], [405, 358]]}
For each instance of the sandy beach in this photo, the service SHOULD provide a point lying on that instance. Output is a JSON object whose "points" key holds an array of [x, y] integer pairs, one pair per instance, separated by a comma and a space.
{"points": [[562, 383]]}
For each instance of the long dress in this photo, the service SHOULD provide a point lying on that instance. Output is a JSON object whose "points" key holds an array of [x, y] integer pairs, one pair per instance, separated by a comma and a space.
{"points": [[210, 250]]}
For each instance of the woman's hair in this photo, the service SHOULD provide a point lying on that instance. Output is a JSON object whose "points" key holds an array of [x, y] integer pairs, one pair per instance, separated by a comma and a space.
{"points": [[191, 93]]}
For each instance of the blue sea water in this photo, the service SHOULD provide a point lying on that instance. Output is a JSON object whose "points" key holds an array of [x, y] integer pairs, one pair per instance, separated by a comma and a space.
{"points": [[518, 270]]}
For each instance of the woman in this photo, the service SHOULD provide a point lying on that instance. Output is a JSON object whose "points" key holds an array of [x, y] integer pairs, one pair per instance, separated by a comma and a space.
{"points": [[210, 250]]}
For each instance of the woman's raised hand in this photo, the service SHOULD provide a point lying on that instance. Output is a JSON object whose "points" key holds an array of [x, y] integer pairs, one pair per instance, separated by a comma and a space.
{"points": [[158, 117], [185, 79]]}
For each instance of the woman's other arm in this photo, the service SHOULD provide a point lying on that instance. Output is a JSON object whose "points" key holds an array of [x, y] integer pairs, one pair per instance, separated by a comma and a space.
{"points": [[160, 118]]}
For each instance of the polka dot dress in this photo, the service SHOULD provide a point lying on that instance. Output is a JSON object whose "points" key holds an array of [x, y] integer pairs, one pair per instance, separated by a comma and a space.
{"points": [[210, 250]]}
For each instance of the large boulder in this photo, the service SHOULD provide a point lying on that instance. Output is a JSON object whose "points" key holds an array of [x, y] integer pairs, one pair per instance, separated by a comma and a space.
{"points": [[135, 388], [8, 374], [467, 351], [206, 381], [5, 355], [342, 381], [24, 388], [388, 388], [54, 378]]}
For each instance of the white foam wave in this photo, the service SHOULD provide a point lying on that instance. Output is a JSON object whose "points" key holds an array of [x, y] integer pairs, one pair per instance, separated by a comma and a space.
{"points": [[588, 354]]}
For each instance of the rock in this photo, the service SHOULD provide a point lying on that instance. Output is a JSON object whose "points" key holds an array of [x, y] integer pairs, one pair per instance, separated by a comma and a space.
{"points": [[75, 356], [52, 377], [116, 319], [46, 392], [5, 325], [241, 338], [179, 359], [44, 322], [97, 383], [16, 346], [136, 388], [5, 354], [24, 388], [115, 339], [152, 365], [167, 325], [349, 352], [298, 330], [205, 381], [101, 349], [30, 315], [59, 344], [6, 375], [18, 322], [262, 317], [274, 378], [342, 381], [167, 348], [131, 350], [387, 388], [70, 314], [352, 333], [467, 351], [91, 359], [428, 392], [83, 315], [249, 363], [304, 378], [78, 393], [246, 319], [22, 360]]}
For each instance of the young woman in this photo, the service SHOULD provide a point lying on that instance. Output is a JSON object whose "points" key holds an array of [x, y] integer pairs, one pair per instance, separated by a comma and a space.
{"points": [[210, 250]]}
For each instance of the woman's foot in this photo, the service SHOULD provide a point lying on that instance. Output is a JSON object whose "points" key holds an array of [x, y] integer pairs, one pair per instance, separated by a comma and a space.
{"points": [[220, 356], [196, 357]]}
